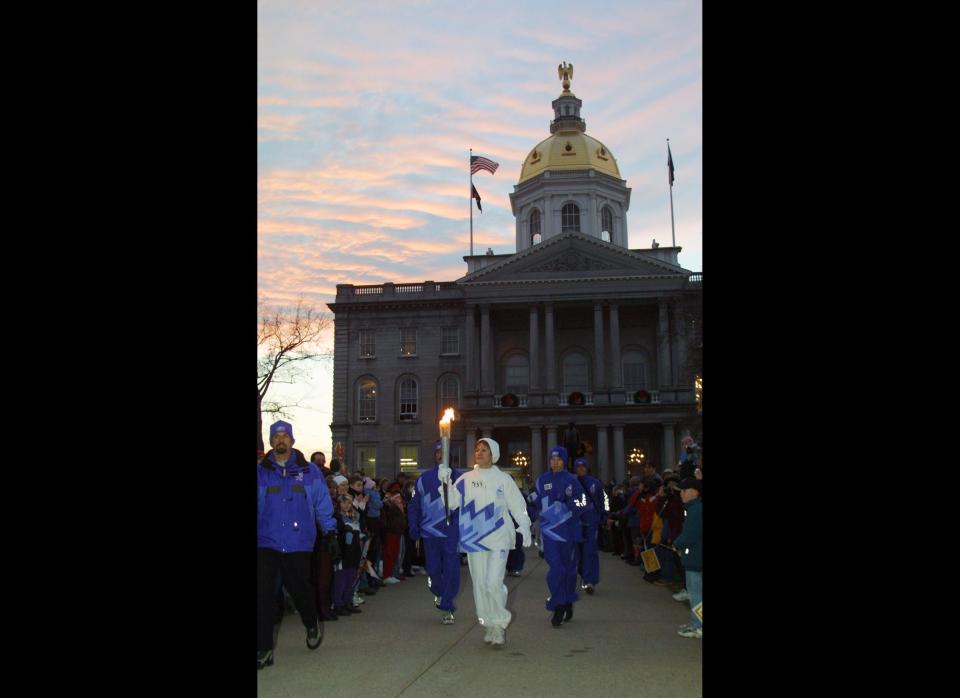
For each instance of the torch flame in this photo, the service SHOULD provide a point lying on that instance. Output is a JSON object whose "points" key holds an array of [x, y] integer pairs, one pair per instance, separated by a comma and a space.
{"points": [[447, 416]]}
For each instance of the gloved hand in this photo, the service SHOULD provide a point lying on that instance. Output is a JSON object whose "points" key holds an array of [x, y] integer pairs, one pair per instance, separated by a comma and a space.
{"points": [[527, 539], [333, 546], [443, 472]]}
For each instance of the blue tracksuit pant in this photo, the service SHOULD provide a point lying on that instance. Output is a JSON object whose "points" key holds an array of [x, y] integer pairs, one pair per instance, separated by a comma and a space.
{"points": [[589, 565], [562, 577], [443, 570]]}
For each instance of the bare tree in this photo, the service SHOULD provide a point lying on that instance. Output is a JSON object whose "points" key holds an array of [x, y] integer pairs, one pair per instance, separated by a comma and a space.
{"points": [[287, 341]]}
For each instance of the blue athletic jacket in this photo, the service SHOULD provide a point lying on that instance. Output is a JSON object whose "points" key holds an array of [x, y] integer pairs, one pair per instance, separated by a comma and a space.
{"points": [[597, 506], [426, 512], [561, 501], [291, 501]]}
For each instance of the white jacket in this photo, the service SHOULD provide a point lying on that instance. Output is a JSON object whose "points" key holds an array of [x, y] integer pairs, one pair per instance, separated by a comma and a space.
{"points": [[485, 498]]}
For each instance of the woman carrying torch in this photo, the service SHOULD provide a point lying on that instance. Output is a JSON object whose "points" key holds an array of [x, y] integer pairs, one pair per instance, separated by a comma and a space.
{"points": [[484, 496]]}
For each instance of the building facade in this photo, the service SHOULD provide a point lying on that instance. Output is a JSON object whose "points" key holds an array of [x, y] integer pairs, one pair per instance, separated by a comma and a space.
{"points": [[575, 327]]}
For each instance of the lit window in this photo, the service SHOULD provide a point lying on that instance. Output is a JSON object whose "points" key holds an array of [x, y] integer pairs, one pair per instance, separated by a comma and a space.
{"points": [[367, 401], [367, 459], [606, 227], [535, 233], [409, 458], [408, 342]]}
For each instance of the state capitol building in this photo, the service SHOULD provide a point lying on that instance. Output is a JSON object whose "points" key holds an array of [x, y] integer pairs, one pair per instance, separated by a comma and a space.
{"points": [[575, 326]]}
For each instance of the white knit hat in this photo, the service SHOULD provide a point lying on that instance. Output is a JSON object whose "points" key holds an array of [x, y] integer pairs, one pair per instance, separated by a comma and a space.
{"points": [[494, 449]]}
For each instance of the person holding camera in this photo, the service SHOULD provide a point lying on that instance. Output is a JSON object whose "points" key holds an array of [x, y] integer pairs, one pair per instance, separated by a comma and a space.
{"points": [[690, 545], [688, 457]]}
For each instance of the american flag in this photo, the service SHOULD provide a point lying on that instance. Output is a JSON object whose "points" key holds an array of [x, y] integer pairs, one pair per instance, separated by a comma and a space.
{"points": [[478, 163]]}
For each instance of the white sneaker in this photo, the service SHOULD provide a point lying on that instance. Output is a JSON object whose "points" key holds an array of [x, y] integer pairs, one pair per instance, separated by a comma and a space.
{"points": [[690, 631], [497, 637], [358, 600], [391, 580], [682, 595], [447, 618]]}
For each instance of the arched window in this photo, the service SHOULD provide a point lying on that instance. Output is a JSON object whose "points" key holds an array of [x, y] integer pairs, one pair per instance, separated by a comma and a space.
{"points": [[570, 218], [516, 377], [367, 400], [409, 394], [576, 373], [634, 371], [535, 235], [606, 224], [449, 392]]}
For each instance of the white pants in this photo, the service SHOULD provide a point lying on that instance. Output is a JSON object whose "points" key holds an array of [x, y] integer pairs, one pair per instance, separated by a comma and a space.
{"points": [[489, 591]]}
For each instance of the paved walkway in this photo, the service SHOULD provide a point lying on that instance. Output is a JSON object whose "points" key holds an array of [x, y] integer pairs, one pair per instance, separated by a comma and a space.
{"points": [[622, 641]]}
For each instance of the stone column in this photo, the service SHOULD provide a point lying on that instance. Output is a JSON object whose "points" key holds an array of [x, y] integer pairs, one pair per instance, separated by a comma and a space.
{"points": [[534, 348], [536, 453], [550, 358], [669, 449], [599, 380], [616, 377], [619, 462], [594, 219], [604, 472], [486, 358], [680, 330], [663, 345], [470, 349], [551, 438]]}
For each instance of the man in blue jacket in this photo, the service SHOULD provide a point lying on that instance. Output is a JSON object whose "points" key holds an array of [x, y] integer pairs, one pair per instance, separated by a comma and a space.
{"points": [[561, 501], [292, 499], [594, 516], [428, 519], [690, 545]]}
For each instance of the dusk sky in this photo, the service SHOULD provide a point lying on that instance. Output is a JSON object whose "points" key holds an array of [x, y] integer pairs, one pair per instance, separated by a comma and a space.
{"points": [[366, 112]]}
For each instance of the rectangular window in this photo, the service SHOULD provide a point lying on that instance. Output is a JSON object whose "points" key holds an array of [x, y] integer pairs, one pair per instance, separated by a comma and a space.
{"points": [[409, 458], [366, 460], [450, 343], [408, 400], [456, 461], [518, 378], [408, 342], [368, 344], [449, 394], [633, 378]]}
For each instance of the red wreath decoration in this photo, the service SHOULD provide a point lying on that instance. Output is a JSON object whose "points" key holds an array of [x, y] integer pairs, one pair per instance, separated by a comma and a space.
{"points": [[576, 398], [641, 396], [509, 400]]}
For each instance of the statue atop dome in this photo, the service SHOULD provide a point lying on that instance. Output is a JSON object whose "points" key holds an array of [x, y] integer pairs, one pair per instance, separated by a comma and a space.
{"points": [[565, 72]]}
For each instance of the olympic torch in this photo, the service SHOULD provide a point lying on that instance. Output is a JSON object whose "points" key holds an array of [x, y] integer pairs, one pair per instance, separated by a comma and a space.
{"points": [[445, 425]]}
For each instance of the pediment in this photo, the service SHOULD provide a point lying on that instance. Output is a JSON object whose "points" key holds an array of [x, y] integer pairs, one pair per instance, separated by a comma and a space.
{"points": [[574, 257]]}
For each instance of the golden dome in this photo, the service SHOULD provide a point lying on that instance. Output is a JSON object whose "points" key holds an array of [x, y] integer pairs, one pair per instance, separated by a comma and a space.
{"points": [[569, 150]]}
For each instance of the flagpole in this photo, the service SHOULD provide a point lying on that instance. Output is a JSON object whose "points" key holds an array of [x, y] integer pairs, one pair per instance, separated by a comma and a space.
{"points": [[470, 200], [673, 235]]}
